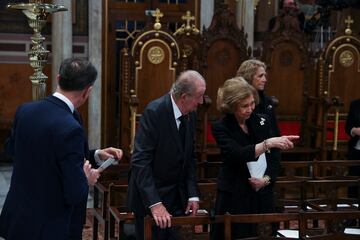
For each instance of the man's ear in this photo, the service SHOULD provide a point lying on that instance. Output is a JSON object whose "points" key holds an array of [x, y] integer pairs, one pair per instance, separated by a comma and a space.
{"points": [[86, 92], [89, 89], [183, 96]]}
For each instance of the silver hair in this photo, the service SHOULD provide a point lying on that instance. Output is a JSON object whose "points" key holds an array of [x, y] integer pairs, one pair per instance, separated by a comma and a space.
{"points": [[185, 83]]}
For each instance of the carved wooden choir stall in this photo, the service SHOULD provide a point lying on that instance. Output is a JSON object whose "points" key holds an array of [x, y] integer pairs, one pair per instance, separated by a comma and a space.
{"points": [[312, 101]]}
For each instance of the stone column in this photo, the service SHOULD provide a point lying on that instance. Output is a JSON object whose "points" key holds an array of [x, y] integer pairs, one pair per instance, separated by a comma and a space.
{"points": [[95, 56], [61, 39], [245, 18], [206, 13]]}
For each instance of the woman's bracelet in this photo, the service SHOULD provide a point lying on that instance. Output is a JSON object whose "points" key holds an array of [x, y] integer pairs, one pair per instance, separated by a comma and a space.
{"points": [[267, 179], [266, 147]]}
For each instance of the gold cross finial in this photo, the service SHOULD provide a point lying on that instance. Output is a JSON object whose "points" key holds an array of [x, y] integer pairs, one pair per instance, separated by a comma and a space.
{"points": [[188, 18], [349, 21], [157, 14]]}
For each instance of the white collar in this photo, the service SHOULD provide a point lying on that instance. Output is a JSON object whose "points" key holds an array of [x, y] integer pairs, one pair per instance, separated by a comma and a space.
{"points": [[65, 100], [176, 109]]}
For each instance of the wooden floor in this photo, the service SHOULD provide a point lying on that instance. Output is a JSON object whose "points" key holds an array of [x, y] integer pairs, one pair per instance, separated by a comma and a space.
{"points": [[87, 232]]}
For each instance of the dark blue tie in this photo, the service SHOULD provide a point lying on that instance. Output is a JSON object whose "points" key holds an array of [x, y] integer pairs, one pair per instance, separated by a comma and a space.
{"points": [[182, 128], [77, 116]]}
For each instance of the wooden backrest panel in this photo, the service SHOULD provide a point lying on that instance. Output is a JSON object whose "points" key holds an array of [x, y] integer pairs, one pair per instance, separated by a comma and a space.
{"points": [[225, 48], [286, 79], [155, 54]]}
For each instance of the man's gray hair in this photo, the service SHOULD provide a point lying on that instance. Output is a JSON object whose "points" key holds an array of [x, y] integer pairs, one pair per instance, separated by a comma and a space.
{"points": [[185, 83]]}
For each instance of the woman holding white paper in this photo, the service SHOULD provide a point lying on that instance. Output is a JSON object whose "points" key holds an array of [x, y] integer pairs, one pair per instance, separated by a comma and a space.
{"points": [[249, 154]]}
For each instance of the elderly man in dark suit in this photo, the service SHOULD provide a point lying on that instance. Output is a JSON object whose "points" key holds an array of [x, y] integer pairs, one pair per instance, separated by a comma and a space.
{"points": [[163, 179], [49, 184]]}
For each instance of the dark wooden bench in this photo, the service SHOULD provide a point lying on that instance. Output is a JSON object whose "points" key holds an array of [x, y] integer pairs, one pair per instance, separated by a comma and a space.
{"points": [[187, 226], [118, 212], [265, 224], [208, 193], [288, 196], [296, 170], [322, 195], [116, 174], [334, 169], [332, 226], [208, 170]]}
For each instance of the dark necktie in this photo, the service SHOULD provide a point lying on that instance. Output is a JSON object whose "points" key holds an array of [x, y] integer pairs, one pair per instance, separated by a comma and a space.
{"points": [[182, 128], [77, 116]]}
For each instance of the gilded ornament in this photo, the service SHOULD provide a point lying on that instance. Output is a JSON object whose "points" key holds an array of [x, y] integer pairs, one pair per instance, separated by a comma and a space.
{"points": [[348, 23], [187, 27], [156, 34], [175, 64], [157, 14], [156, 55], [157, 26], [37, 13], [137, 63], [140, 43], [346, 58], [188, 50]]}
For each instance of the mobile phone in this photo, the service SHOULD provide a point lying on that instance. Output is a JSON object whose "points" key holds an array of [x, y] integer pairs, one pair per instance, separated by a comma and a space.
{"points": [[107, 163]]}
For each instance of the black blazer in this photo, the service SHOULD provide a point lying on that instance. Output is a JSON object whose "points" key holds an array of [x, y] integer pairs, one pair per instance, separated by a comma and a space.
{"points": [[353, 120], [267, 106], [160, 166], [48, 182], [236, 152]]}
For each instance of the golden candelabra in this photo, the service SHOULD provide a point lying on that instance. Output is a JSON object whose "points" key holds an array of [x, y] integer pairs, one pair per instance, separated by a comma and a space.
{"points": [[37, 12]]}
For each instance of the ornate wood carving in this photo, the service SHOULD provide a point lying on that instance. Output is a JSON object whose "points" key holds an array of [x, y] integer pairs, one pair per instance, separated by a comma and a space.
{"points": [[225, 47], [148, 70], [190, 44], [289, 71], [339, 71]]}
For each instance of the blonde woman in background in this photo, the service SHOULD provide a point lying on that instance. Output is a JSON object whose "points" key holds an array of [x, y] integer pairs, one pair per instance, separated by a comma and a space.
{"points": [[254, 72]]}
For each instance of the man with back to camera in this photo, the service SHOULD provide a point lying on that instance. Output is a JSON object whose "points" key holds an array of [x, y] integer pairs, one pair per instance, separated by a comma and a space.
{"points": [[162, 176], [49, 184]]}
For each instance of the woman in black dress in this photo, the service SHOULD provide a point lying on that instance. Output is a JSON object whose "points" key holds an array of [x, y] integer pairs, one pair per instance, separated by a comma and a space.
{"points": [[248, 151]]}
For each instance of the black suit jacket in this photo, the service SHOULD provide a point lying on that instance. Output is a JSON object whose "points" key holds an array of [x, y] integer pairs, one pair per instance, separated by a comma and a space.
{"points": [[353, 120], [236, 152], [161, 169], [266, 106], [48, 182]]}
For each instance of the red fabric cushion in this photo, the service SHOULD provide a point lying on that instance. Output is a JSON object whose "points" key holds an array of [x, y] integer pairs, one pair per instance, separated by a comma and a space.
{"points": [[210, 137], [289, 127], [342, 135]]}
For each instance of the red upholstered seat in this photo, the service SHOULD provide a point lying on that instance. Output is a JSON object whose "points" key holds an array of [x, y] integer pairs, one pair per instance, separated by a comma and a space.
{"points": [[342, 136], [210, 137], [290, 127]]}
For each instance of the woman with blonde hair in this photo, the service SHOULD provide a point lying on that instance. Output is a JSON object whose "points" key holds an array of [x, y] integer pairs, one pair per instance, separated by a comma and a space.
{"points": [[254, 72], [248, 151]]}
